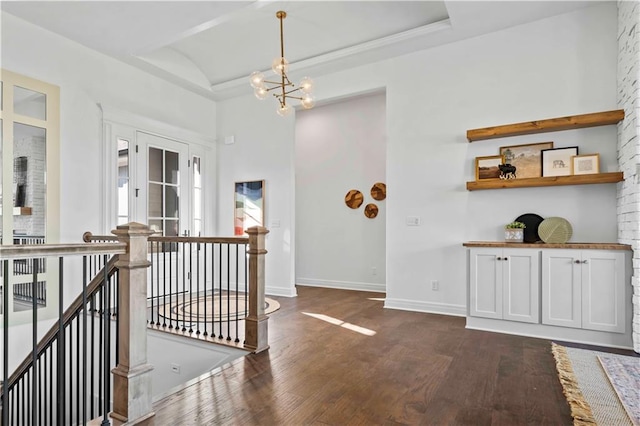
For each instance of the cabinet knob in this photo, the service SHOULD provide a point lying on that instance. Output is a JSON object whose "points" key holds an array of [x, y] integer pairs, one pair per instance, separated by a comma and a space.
{"points": [[498, 258], [576, 261]]}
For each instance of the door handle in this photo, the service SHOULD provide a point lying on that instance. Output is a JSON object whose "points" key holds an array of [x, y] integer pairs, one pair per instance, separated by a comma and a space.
{"points": [[584, 261]]}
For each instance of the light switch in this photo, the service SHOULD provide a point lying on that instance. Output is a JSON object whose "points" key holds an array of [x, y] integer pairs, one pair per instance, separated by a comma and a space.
{"points": [[413, 221]]}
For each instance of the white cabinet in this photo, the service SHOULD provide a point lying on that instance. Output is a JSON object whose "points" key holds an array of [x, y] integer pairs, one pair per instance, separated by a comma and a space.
{"points": [[505, 284], [584, 289]]}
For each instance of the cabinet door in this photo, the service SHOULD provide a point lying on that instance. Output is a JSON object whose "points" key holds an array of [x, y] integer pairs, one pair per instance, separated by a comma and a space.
{"points": [[521, 285], [603, 288], [561, 288], [485, 286]]}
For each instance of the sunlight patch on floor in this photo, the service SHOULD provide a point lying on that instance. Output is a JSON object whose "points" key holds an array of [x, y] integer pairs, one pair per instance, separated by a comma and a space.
{"points": [[377, 299], [341, 323]]}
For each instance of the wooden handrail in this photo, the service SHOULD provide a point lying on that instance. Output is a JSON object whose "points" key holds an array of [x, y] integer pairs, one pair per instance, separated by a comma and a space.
{"points": [[69, 314], [89, 237], [46, 250]]}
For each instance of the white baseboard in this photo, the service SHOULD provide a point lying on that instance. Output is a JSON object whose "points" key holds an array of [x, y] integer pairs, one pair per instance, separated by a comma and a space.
{"points": [[342, 285], [427, 307], [550, 332], [281, 291]]}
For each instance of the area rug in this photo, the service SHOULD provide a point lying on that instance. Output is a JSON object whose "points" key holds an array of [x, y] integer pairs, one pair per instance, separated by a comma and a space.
{"points": [[211, 308], [590, 395], [624, 375]]}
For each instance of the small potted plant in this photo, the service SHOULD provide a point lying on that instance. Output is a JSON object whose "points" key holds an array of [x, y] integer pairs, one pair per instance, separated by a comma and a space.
{"points": [[514, 232]]}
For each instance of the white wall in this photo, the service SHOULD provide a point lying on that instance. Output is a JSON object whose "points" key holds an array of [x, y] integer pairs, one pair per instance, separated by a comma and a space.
{"points": [[554, 67], [339, 147], [263, 149], [87, 78]]}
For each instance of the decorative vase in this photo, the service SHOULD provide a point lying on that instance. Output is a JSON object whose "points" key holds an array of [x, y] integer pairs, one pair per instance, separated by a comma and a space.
{"points": [[513, 235]]}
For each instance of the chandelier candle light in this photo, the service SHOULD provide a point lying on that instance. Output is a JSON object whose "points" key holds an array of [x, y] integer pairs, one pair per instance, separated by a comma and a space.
{"points": [[283, 89]]}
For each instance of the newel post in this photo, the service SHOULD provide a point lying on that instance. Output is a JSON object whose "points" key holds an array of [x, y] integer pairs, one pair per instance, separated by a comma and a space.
{"points": [[256, 334], [131, 377]]}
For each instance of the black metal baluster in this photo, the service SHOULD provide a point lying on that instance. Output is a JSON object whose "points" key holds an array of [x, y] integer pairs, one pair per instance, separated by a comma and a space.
{"points": [[184, 283], [116, 279], [61, 346], [5, 343], [107, 348], [70, 369], [78, 361], [152, 302], [92, 357], [246, 280], [220, 290], [237, 295], [100, 351], [84, 337], [164, 307], [213, 289], [156, 302], [34, 338], [44, 386], [204, 261], [198, 296], [51, 387], [228, 291], [190, 288], [39, 407], [164, 281]]}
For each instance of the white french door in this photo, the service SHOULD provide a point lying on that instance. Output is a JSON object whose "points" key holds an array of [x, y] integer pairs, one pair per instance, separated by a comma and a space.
{"points": [[162, 188]]}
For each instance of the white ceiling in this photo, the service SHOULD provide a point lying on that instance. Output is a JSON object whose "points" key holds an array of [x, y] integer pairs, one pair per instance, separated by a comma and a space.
{"points": [[211, 47]]}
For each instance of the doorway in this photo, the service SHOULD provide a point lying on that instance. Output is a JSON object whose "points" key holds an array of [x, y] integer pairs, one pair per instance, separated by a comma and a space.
{"points": [[341, 147]]}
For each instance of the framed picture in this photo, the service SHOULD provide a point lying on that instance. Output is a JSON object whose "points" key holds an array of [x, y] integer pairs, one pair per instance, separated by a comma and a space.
{"points": [[487, 167], [557, 162], [249, 206], [585, 164], [526, 158]]}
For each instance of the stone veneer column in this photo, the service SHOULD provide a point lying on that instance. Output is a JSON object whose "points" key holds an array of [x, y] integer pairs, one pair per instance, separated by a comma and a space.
{"points": [[629, 145]]}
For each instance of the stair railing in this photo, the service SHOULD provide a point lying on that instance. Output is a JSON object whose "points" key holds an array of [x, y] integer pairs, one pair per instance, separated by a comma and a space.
{"points": [[65, 379], [209, 288]]}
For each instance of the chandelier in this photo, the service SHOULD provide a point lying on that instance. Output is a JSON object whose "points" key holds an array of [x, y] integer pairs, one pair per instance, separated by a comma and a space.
{"points": [[283, 89]]}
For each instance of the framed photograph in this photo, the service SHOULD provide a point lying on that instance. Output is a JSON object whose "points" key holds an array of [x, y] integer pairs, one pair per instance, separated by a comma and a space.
{"points": [[526, 158], [487, 167], [585, 164], [249, 206], [557, 162]]}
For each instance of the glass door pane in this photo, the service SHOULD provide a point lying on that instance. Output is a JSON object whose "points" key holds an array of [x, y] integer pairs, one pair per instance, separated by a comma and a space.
{"points": [[29, 212]]}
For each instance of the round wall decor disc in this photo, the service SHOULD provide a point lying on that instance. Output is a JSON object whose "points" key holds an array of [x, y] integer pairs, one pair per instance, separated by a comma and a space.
{"points": [[555, 230], [371, 211], [353, 199], [379, 191]]}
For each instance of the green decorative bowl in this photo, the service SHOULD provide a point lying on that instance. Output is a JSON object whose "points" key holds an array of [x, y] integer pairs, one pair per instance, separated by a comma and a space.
{"points": [[555, 230]]}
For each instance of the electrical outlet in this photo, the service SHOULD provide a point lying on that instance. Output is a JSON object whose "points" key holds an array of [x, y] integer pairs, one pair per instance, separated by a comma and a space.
{"points": [[175, 368], [374, 271], [435, 285]]}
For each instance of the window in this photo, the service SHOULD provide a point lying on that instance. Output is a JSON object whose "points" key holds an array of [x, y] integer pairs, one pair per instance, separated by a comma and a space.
{"points": [[123, 181]]}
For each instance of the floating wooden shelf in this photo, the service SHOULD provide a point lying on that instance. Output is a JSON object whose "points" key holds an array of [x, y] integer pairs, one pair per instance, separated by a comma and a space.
{"points": [[546, 181], [549, 125]]}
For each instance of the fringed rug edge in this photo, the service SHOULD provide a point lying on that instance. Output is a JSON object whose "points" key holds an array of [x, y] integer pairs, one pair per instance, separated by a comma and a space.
{"points": [[580, 409]]}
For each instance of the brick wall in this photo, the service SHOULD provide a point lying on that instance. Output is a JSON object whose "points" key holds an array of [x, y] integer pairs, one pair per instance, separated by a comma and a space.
{"points": [[629, 144], [35, 150]]}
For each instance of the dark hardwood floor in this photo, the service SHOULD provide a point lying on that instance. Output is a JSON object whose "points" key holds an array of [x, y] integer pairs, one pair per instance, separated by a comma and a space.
{"points": [[326, 367]]}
